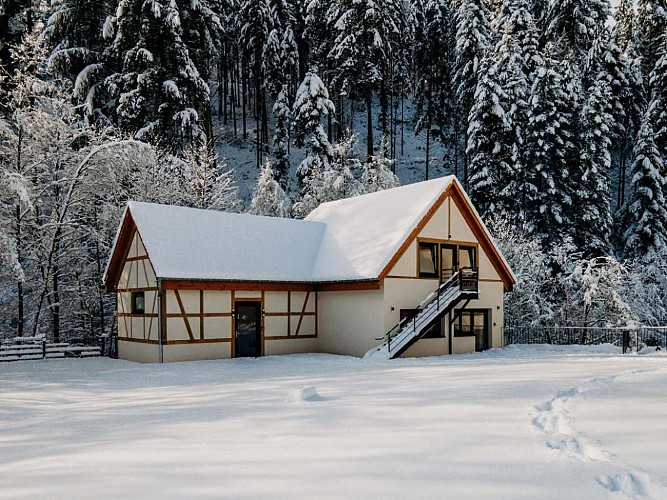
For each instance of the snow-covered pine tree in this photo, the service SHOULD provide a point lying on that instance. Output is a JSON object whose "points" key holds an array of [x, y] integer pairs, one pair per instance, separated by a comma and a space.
{"points": [[157, 90], [473, 41], [378, 174], [658, 92], [646, 212], [513, 59], [268, 196], [206, 182], [550, 148], [311, 106], [625, 24], [74, 31], [254, 20], [280, 57], [366, 33], [515, 20], [572, 25], [650, 32], [281, 137], [339, 179], [433, 54], [606, 62], [490, 158], [592, 225]]}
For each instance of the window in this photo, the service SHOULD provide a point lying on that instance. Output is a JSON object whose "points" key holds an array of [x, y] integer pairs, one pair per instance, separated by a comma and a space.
{"points": [[138, 303], [467, 257], [428, 260], [473, 323], [442, 260]]}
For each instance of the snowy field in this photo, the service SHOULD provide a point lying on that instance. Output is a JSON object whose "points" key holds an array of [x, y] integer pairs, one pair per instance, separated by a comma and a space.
{"points": [[524, 422]]}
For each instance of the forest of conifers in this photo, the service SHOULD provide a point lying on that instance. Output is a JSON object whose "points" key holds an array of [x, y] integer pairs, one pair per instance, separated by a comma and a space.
{"points": [[552, 114]]}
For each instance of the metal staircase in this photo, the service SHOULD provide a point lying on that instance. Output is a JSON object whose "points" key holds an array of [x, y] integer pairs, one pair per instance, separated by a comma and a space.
{"points": [[463, 285]]}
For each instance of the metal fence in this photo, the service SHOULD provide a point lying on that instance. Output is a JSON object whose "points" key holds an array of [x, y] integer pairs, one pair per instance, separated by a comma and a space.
{"points": [[628, 338]]}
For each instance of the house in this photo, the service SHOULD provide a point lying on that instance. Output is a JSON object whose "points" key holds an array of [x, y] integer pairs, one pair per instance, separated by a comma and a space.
{"points": [[415, 262]]}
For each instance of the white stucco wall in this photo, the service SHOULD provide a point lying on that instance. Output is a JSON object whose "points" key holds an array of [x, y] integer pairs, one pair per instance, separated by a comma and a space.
{"points": [[350, 321]]}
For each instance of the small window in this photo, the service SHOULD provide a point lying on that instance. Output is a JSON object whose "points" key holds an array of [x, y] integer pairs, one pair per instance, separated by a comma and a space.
{"points": [[428, 260], [467, 257], [138, 303]]}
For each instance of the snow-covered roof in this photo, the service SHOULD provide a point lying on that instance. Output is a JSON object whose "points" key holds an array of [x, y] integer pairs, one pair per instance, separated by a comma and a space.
{"points": [[187, 243], [363, 233], [346, 240]]}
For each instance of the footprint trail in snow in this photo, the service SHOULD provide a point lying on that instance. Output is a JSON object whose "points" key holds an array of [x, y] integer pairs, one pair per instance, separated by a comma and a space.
{"points": [[552, 418]]}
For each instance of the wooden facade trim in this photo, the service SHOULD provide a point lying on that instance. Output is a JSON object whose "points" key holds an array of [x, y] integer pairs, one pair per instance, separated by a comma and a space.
{"points": [[140, 257], [303, 310], [139, 341], [348, 286], [290, 337], [129, 290], [268, 286], [198, 341], [183, 315]]}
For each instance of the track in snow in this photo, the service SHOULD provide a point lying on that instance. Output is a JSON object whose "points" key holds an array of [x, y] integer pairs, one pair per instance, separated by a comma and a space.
{"points": [[553, 419]]}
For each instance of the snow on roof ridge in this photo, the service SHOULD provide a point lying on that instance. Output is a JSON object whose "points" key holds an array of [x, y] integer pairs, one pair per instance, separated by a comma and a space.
{"points": [[345, 240]]}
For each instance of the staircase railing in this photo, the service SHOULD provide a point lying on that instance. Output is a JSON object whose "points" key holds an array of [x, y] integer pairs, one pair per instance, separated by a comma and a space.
{"points": [[465, 280]]}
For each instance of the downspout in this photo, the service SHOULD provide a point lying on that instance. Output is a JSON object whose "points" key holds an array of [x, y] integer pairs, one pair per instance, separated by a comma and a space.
{"points": [[160, 319]]}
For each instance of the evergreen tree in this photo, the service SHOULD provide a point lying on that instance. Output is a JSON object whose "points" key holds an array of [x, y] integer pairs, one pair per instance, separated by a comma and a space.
{"points": [[592, 226], [650, 32], [490, 158], [311, 105], [550, 146], [473, 40], [377, 174], [206, 183], [268, 196], [573, 24], [157, 91], [281, 137], [434, 26], [366, 32], [625, 24], [658, 86], [646, 215], [607, 63]]}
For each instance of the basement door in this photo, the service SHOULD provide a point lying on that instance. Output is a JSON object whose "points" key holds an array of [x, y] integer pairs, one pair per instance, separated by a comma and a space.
{"points": [[248, 336]]}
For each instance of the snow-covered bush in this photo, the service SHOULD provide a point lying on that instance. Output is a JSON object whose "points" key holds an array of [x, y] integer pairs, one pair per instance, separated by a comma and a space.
{"points": [[268, 196]]}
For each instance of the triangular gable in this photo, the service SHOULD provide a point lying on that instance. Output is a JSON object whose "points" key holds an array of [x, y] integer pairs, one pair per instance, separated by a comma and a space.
{"points": [[475, 223], [119, 251]]}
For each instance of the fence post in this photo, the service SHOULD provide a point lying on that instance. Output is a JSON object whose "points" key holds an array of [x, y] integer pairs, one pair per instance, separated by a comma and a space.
{"points": [[44, 348]]}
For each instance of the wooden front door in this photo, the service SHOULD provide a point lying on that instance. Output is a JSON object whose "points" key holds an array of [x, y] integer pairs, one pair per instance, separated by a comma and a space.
{"points": [[248, 329]]}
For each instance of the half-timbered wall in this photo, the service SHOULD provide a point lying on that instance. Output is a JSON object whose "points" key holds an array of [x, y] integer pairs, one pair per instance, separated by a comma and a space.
{"points": [[197, 318], [135, 329]]}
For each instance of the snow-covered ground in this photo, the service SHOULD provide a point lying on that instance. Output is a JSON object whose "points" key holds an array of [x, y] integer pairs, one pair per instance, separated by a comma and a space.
{"points": [[524, 422]]}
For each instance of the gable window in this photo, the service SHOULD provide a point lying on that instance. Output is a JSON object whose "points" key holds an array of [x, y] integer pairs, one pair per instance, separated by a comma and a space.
{"points": [[442, 260], [138, 303], [428, 260]]}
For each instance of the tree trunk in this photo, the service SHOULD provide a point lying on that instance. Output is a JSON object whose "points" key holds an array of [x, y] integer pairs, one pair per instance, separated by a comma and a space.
{"points": [[19, 284], [428, 147], [369, 126]]}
